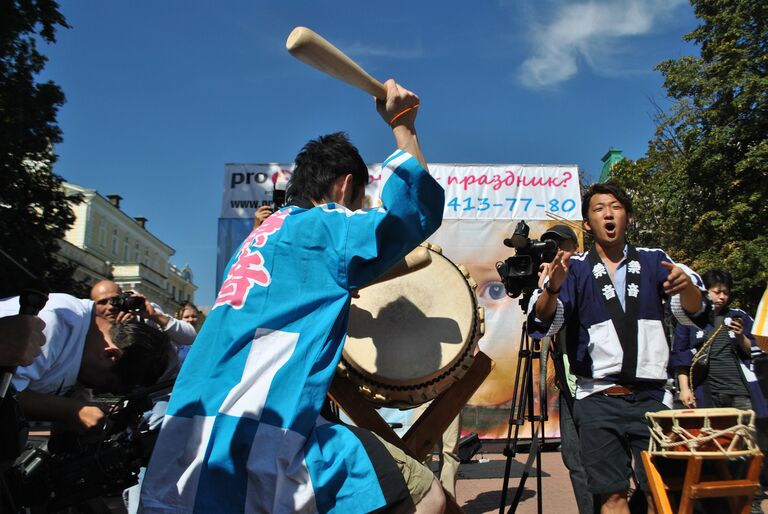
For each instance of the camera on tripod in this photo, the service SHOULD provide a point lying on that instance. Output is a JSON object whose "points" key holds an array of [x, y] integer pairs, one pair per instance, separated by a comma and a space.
{"points": [[520, 273], [126, 302]]}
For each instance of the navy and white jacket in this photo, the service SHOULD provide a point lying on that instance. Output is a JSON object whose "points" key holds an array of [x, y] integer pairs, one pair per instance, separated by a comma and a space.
{"points": [[615, 330], [688, 341]]}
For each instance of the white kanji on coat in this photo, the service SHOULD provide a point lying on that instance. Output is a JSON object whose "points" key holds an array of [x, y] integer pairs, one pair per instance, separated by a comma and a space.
{"points": [[608, 291], [633, 267], [633, 290], [599, 270]]}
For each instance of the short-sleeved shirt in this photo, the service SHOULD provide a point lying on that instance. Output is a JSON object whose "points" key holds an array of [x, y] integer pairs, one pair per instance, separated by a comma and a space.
{"points": [[724, 375]]}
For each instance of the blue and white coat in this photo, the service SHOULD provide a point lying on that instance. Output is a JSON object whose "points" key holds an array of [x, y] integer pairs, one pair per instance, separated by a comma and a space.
{"points": [[595, 351], [688, 341], [243, 431]]}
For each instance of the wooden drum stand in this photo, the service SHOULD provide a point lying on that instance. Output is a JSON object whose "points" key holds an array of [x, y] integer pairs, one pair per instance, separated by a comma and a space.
{"points": [[426, 431], [691, 438]]}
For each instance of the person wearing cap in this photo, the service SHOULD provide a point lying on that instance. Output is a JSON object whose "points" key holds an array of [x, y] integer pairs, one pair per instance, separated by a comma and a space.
{"points": [[564, 236], [567, 241]]}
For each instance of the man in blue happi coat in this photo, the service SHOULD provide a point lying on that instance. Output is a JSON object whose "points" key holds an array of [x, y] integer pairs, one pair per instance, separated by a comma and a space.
{"points": [[610, 302], [243, 431]]}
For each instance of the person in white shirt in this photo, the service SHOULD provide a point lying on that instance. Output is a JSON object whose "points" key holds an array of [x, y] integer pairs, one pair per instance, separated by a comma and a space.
{"points": [[77, 351]]}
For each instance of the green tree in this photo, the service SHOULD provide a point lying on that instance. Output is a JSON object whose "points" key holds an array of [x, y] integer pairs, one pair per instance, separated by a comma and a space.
{"points": [[702, 188], [34, 212]]}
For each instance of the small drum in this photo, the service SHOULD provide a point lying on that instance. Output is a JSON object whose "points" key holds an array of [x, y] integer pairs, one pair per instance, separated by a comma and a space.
{"points": [[413, 336], [705, 432]]}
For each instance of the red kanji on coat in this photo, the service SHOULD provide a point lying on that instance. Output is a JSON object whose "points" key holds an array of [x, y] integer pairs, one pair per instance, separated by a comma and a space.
{"points": [[248, 270]]}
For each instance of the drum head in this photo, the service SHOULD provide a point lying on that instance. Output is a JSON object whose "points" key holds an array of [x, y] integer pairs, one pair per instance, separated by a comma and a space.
{"points": [[409, 331]]}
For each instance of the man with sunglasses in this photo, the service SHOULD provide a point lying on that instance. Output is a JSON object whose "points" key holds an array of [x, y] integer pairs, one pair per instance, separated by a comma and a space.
{"points": [[105, 292]]}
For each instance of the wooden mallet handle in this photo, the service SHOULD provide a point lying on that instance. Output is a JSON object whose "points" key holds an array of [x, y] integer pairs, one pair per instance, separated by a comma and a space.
{"points": [[311, 48]]}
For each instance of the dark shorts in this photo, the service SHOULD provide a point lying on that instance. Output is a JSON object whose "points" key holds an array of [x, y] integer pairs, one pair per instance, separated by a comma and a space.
{"points": [[613, 430]]}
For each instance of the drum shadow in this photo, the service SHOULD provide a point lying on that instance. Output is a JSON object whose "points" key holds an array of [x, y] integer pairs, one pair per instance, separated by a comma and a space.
{"points": [[408, 343]]}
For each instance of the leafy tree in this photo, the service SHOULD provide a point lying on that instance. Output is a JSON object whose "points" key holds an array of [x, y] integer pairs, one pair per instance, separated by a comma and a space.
{"points": [[702, 188], [34, 212]]}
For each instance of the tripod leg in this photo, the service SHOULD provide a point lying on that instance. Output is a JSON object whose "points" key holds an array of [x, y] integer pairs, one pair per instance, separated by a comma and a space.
{"points": [[517, 408], [532, 455]]}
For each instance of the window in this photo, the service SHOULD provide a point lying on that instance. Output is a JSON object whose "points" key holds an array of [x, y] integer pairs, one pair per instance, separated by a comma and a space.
{"points": [[137, 254], [126, 249], [103, 234], [146, 257], [114, 241]]}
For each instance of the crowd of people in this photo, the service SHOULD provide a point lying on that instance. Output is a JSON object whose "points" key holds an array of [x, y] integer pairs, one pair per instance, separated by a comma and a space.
{"points": [[246, 427], [75, 348]]}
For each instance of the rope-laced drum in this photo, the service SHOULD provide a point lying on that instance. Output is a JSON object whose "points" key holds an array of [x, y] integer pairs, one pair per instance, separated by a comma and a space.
{"points": [[413, 336], [704, 432]]}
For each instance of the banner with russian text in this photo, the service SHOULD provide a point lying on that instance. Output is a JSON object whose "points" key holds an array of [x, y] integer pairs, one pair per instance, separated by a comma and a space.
{"points": [[483, 204]]}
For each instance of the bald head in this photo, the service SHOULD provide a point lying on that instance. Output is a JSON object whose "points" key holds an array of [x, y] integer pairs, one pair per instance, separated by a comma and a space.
{"points": [[101, 293]]}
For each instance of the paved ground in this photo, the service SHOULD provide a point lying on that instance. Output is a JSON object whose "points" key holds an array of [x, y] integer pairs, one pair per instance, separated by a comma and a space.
{"points": [[477, 496], [483, 495]]}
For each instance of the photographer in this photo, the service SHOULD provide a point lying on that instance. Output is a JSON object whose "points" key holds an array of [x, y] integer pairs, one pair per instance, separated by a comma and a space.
{"points": [[729, 379], [115, 306], [727, 382], [77, 351], [610, 301]]}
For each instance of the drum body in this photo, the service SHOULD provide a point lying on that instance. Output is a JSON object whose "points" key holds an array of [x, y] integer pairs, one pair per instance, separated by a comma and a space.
{"points": [[413, 336], [705, 432]]}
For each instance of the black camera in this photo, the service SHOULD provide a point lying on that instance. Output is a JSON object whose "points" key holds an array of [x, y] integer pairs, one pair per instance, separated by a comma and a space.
{"points": [[68, 470], [278, 195], [520, 272], [126, 302]]}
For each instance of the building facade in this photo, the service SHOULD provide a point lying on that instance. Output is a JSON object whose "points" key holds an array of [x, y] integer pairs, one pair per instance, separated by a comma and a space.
{"points": [[107, 243]]}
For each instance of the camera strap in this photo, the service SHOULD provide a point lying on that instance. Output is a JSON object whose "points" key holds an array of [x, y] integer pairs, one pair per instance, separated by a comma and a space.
{"points": [[624, 321]]}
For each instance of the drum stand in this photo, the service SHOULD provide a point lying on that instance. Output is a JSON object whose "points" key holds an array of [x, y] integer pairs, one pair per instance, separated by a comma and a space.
{"points": [[426, 431], [522, 410], [693, 486]]}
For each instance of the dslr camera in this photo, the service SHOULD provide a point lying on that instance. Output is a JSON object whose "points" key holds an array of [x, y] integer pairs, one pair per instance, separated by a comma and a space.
{"points": [[126, 302], [520, 272]]}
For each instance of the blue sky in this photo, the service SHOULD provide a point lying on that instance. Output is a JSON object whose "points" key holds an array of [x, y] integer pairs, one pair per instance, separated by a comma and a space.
{"points": [[160, 94]]}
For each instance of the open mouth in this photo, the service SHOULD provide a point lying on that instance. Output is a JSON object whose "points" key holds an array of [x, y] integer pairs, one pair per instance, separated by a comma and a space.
{"points": [[610, 227]]}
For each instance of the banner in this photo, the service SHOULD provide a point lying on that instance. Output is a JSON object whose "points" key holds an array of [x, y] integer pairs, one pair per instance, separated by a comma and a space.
{"points": [[472, 191], [483, 204]]}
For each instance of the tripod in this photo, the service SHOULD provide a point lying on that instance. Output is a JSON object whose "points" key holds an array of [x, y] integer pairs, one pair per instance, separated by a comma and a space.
{"points": [[522, 410]]}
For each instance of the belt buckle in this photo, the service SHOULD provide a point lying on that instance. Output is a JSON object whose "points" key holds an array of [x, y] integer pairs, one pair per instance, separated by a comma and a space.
{"points": [[618, 390]]}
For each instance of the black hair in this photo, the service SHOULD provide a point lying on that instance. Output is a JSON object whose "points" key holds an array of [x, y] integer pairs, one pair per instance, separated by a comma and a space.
{"points": [[717, 276], [320, 163], [146, 353], [605, 188]]}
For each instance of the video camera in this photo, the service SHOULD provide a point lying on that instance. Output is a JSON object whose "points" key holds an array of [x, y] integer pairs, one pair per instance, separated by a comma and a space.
{"points": [[126, 302], [68, 470], [519, 273]]}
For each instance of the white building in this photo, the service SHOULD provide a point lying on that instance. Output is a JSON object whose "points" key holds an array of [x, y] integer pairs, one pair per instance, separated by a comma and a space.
{"points": [[105, 242]]}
